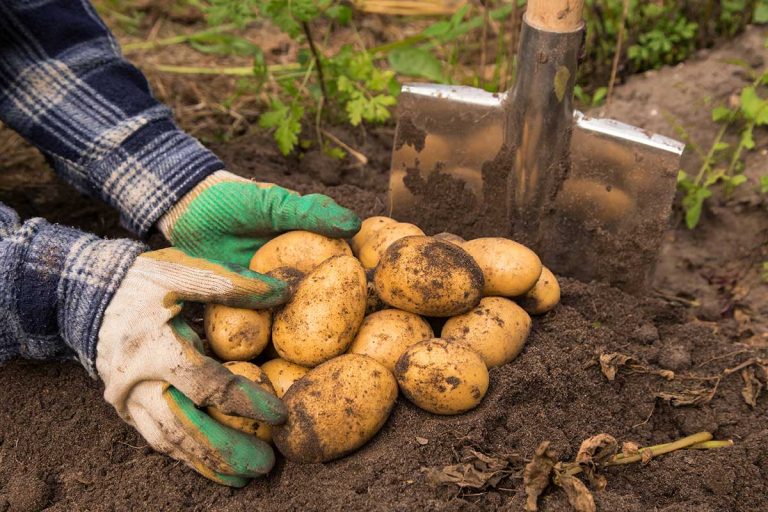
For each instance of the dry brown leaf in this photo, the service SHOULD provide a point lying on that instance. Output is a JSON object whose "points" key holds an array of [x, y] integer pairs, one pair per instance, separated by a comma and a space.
{"points": [[752, 386], [537, 474], [610, 363], [685, 397], [667, 374], [476, 470], [578, 495], [628, 448], [646, 455], [593, 452]]}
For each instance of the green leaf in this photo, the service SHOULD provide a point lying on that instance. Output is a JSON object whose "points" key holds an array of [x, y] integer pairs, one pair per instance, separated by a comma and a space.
{"points": [[286, 120], [746, 138], [599, 96], [761, 13], [764, 184], [223, 44], [737, 180], [693, 204], [340, 13], [413, 61], [753, 106], [722, 114], [720, 146]]}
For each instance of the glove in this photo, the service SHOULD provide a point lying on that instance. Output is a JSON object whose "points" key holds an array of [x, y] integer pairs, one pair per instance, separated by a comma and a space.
{"points": [[227, 218], [157, 378]]}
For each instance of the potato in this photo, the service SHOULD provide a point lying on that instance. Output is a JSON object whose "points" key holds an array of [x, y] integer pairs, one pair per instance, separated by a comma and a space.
{"points": [[496, 329], [386, 334], [323, 316], [373, 302], [283, 374], [236, 334], [442, 376], [335, 409], [302, 250], [374, 248], [290, 275], [510, 269], [369, 228], [422, 275], [445, 236], [250, 426], [543, 296]]}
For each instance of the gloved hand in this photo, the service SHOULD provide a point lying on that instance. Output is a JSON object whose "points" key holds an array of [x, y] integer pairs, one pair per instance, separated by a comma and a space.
{"points": [[227, 218], [155, 374]]}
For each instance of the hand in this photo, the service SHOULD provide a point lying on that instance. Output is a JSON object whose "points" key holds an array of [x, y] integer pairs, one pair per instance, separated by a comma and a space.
{"points": [[228, 218], [156, 376]]}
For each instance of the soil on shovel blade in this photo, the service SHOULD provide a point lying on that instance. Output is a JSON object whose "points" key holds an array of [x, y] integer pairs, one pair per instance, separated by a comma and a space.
{"points": [[63, 448]]}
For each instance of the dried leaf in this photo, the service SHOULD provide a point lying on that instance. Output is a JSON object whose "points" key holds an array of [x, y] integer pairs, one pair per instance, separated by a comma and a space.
{"points": [[422, 440], [593, 452], [752, 386], [696, 396], [667, 374], [476, 470], [537, 474], [610, 363], [578, 495], [628, 448], [646, 455]]}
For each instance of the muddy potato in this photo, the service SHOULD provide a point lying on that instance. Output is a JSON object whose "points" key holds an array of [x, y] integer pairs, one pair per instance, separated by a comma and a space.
{"points": [[369, 228], [250, 426], [323, 316], [422, 275], [373, 302], [290, 275], [510, 269], [445, 236], [442, 376], [372, 251], [386, 334], [335, 409], [236, 334], [301, 250], [283, 374], [543, 296], [496, 329]]}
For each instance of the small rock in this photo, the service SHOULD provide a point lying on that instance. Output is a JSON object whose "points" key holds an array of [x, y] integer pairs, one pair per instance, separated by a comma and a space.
{"points": [[675, 357], [422, 440]]}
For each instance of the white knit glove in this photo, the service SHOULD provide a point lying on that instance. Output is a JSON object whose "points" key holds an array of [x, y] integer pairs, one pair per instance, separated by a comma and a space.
{"points": [[155, 374]]}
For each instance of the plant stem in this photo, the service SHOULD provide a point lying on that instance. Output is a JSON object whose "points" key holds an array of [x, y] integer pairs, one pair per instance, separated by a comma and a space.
{"points": [[707, 163], [169, 41], [616, 56], [232, 71], [318, 61]]}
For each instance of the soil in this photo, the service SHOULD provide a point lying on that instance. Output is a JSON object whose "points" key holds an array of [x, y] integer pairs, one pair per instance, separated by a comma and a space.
{"points": [[63, 448]]}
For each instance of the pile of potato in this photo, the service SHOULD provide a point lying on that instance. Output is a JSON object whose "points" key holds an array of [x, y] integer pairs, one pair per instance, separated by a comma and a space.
{"points": [[360, 326]]}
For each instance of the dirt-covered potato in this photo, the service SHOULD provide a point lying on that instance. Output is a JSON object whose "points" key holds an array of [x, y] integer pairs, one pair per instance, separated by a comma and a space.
{"points": [[250, 426], [372, 251], [335, 409], [323, 316], [426, 276], [236, 334], [386, 334], [510, 269], [283, 374], [368, 228], [373, 302], [445, 236], [442, 376], [543, 296], [290, 275], [496, 329], [302, 250]]}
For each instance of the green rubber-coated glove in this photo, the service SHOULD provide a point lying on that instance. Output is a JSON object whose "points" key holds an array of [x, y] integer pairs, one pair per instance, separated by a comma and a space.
{"points": [[227, 218], [159, 381]]}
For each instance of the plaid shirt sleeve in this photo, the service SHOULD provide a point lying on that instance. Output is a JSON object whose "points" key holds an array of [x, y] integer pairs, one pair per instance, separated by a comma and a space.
{"points": [[65, 87], [55, 283]]}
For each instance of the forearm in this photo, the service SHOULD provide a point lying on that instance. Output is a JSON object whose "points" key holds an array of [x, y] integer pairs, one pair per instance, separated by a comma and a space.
{"points": [[55, 283], [65, 87]]}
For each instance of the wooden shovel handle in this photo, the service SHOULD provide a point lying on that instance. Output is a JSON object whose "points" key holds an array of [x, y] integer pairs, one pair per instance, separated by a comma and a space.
{"points": [[555, 15]]}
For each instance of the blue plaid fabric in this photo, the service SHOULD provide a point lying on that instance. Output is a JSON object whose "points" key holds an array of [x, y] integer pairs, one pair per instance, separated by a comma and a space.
{"points": [[55, 283], [66, 89]]}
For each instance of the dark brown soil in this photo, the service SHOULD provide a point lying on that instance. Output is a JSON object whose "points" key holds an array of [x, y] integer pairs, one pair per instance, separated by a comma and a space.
{"points": [[63, 448]]}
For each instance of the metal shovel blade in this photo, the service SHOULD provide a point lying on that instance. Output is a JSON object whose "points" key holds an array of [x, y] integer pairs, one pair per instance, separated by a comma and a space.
{"points": [[606, 221]]}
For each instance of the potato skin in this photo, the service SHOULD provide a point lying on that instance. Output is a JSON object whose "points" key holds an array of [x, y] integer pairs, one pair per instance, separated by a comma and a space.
{"points": [[372, 251], [422, 275], [250, 426], [369, 228], [442, 376], [302, 250], [283, 374], [322, 318], [236, 334], [544, 296], [445, 236], [386, 334], [496, 329], [510, 269], [335, 409]]}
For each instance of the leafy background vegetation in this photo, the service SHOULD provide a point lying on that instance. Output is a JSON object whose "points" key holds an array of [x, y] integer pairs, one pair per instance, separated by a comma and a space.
{"points": [[356, 83]]}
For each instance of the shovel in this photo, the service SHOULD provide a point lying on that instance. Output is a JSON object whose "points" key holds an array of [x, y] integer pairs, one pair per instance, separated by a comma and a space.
{"points": [[591, 196]]}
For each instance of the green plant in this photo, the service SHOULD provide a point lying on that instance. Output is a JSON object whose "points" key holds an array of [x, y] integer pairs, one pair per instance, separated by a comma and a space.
{"points": [[723, 164], [669, 40]]}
